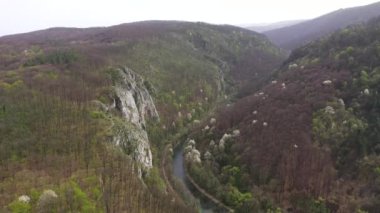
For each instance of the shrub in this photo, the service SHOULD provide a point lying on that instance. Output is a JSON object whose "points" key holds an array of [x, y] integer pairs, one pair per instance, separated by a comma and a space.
{"points": [[19, 207]]}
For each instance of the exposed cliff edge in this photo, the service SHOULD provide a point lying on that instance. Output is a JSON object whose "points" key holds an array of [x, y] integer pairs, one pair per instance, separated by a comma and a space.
{"points": [[133, 100]]}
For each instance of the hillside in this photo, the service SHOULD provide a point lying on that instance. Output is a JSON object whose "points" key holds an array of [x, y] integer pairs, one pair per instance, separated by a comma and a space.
{"points": [[308, 141], [85, 113], [297, 35], [272, 26]]}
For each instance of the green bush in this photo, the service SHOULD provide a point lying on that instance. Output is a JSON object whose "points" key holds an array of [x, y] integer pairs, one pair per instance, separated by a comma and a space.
{"points": [[78, 199], [19, 207]]}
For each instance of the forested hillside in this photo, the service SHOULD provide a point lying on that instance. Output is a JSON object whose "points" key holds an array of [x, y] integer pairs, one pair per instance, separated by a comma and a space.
{"points": [[308, 141], [79, 130], [300, 34]]}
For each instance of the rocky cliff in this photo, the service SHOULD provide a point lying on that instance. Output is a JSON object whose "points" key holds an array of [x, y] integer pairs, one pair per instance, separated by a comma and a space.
{"points": [[134, 101]]}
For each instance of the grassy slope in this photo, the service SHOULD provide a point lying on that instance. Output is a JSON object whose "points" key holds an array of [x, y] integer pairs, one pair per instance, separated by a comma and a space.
{"points": [[54, 136]]}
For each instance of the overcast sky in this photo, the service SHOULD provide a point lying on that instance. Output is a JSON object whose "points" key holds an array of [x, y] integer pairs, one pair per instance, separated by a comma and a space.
{"points": [[17, 16]]}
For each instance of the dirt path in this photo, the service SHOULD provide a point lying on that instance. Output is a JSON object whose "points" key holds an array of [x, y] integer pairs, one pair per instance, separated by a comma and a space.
{"points": [[204, 192]]}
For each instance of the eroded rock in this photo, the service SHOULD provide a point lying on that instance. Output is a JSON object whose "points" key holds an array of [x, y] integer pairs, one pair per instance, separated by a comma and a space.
{"points": [[134, 101]]}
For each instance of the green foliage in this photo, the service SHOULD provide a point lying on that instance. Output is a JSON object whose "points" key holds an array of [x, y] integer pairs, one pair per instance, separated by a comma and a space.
{"points": [[78, 199], [54, 57], [154, 180], [97, 115], [318, 206], [19, 207], [311, 205], [11, 86], [234, 197], [333, 127], [114, 74], [231, 174], [205, 178]]}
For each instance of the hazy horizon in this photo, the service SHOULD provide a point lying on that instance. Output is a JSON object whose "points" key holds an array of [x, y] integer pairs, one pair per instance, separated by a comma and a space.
{"points": [[24, 15]]}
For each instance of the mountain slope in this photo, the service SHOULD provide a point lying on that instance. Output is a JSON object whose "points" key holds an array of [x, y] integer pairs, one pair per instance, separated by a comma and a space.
{"points": [[84, 112], [272, 26], [309, 140], [295, 36]]}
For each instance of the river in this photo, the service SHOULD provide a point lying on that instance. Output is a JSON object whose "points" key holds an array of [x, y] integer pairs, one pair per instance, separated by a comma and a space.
{"points": [[179, 172]]}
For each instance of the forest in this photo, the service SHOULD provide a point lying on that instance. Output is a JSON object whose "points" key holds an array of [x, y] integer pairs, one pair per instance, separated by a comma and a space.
{"points": [[308, 140], [91, 120]]}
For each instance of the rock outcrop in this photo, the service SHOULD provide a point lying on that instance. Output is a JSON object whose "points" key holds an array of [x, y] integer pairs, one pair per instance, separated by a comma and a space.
{"points": [[133, 100]]}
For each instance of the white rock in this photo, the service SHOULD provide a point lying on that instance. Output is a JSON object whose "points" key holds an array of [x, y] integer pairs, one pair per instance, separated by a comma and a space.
{"points": [[24, 198], [206, 128], [295, 146], [327, 82], [254, 112], [254, 121], [261, 93], [274, 82], [265, 124], [136, 105]]}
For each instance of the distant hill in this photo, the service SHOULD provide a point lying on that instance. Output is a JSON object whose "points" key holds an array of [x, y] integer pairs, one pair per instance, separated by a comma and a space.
{"points": [[272, 26], [296, 35]]}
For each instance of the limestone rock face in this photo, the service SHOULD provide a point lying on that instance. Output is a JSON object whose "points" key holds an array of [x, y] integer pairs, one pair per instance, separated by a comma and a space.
{"points": [[133, 100]]}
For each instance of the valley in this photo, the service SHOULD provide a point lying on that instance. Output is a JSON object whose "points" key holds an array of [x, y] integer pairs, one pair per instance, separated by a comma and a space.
{"points": [[174, 116]]}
